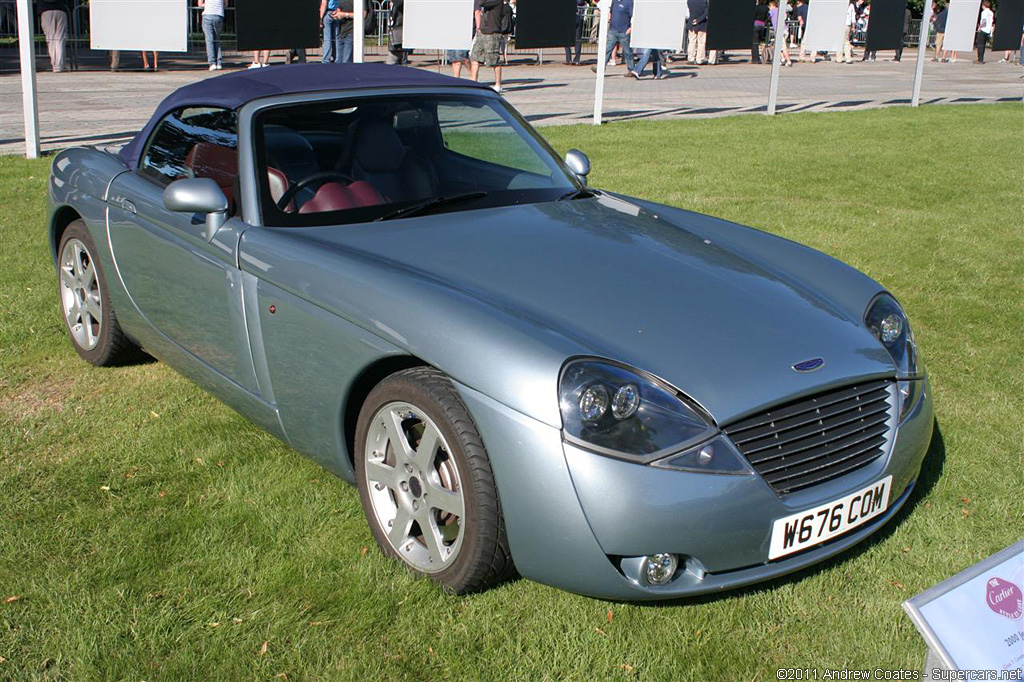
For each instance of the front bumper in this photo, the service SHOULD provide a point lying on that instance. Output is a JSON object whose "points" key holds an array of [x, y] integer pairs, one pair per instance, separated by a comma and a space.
{"points": [[571, 514]]}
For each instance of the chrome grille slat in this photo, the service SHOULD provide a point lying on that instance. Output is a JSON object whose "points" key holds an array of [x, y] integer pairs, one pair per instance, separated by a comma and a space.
{"points": [[807, 404], [817, 438], [811, 416], [813, 464], [857, 436]]}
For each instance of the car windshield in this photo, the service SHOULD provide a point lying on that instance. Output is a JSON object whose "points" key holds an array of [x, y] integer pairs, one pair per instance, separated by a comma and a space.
{"points": [[381, 158]]}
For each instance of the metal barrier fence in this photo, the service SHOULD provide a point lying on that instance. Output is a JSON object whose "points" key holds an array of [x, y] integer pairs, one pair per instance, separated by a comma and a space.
{"points": [[376, 35]]}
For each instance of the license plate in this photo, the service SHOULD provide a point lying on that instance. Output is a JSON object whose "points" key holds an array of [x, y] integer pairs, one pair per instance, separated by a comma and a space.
{"points": [[813, 526]]}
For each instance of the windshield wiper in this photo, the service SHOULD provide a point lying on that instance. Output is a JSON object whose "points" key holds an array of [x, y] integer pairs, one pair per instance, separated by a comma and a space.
{"points": [[581, 193], [430, 204]]}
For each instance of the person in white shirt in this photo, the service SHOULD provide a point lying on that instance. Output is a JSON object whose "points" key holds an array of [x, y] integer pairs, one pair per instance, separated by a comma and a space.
{"points": [[846, 53], [213, 24], [985, 26]]}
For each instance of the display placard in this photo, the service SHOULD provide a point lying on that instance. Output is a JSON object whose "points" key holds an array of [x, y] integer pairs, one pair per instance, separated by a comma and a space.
{"points": [[658, 24], [159, 25], [1009, 20], [886, 25], [961, 24], [975, 620], [730, 24], [545, 23], [270, 25], [438, 25], [826, 26]]}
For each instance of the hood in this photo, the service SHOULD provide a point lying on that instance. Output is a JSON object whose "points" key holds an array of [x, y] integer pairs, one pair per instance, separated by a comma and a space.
{"points": [[624, 284]]}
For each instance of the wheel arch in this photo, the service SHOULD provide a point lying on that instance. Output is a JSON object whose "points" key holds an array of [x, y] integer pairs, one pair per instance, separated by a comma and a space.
{"points": [[62, 217], [359, 390]]}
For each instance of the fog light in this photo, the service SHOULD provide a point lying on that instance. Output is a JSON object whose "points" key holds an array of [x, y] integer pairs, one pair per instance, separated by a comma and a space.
{"points": [[659, 568]]}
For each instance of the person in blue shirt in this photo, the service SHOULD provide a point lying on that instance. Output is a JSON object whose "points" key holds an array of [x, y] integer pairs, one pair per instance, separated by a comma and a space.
{"points": [[619, 28], [697, 26]]}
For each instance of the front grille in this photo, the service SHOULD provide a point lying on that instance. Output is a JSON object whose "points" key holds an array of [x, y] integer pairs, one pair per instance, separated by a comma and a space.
{"points": [[816, 439]]}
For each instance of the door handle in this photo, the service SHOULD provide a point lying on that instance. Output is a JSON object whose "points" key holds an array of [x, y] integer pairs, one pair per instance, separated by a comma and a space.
{"points": [[125, 204]]}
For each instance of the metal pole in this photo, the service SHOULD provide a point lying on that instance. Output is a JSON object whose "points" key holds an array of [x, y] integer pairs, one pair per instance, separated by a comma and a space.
{"points": [[780, 44], [358, 35], [605, 7], [922, 52], [28, 78]]}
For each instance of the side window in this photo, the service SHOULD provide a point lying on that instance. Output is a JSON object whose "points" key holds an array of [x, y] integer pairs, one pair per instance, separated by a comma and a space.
{"points": [[481, 133], [195, 142]]}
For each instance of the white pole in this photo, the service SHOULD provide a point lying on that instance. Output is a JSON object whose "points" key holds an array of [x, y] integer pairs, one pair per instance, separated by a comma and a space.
{"points": [[28, 78], [780, 44], [922, 52], [605, 8], [358, 36]]}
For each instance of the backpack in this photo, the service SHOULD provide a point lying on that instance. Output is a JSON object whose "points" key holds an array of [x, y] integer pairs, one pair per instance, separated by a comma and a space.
{"points": [[506, 20]]}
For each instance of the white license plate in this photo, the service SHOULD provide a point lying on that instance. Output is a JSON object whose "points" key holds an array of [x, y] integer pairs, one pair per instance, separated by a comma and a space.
{"points": [[813, 526]]}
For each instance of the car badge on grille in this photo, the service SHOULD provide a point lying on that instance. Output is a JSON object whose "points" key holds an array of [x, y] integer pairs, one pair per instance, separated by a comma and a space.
{"points": [[809, 365]]}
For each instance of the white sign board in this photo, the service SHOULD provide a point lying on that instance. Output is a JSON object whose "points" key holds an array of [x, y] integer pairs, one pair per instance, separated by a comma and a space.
{"points": [[160, 25], [975, 620], [961, 24], [826, 26], [658, 24], [438, 25]]}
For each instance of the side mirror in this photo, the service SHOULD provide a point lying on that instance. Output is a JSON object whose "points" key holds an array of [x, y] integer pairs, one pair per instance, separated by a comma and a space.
{"points": [[578, 163], [198, 195]]}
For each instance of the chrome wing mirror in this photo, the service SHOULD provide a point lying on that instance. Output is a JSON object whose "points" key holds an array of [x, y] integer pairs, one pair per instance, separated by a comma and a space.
{"points": [[578, 163], [198, 195]]}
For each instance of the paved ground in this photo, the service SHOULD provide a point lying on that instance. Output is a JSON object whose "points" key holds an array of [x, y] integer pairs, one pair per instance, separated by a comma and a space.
{"points": [[96, 106]]}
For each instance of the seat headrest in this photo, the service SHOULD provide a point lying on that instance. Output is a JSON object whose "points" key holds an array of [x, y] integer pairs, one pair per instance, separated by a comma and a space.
{"points": [[378, 149], [208, 160]]}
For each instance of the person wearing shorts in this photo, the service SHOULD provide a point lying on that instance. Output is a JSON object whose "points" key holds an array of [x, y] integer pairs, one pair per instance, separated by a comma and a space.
{"points": [[458, 59], [487, 45]]}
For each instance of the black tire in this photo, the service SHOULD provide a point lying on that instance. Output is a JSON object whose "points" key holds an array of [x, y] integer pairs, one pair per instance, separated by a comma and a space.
{"points": [[112, 346], [483, 559]]}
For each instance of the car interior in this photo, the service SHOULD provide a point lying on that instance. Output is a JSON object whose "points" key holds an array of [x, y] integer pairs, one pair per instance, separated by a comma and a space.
{"points": [[326, 158]]}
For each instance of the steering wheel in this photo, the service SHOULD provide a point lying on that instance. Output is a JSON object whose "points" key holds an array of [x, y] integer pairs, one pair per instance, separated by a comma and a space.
{"points": [[305, 182]]}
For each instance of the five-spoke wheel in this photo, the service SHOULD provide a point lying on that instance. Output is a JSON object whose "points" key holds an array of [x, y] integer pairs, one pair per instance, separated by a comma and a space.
{"points": [[85, 302], [426, 483]]}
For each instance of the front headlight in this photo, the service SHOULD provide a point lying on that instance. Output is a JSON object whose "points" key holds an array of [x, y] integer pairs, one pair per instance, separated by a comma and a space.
{"points": [[625, 413], [888, 323]]}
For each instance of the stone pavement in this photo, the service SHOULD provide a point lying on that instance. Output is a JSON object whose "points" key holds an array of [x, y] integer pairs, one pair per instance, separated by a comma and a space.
{"points": [[100, 107]]}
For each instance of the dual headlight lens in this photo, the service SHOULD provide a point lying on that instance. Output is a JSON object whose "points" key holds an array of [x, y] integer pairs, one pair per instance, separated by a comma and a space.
{"points": [[625, 413], [888, 323]]}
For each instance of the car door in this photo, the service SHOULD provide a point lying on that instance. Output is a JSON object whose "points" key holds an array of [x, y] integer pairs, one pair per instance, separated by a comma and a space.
{"points": [[183, 282]]}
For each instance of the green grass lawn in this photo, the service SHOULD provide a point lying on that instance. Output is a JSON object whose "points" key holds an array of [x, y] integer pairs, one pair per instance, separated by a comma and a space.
{"points": [[148, 532]]}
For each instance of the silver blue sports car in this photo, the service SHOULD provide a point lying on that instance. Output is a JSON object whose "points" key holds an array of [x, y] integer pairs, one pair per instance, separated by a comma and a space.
{"points": [[391, 271]]}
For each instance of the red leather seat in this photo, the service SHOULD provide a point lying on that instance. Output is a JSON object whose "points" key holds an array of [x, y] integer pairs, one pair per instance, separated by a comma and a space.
{"points": [[220, 164], [333, 196]]}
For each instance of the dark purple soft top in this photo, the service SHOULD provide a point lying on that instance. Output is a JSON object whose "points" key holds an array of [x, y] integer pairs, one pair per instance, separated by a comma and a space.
{"points": [[232, 90]]}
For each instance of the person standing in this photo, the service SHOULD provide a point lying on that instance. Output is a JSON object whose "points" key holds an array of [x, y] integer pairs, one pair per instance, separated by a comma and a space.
{"points": [[53, 17], [648, 56], [761, 17], [801, 21], [332, 47], [487, 44], [697, 51], [260, 59], [145, 61], [213, 25], [396, 30], [619, 29], [903, 38], [845, 55], [939, 17], [985, 25], [777, 26], [581, 8]]}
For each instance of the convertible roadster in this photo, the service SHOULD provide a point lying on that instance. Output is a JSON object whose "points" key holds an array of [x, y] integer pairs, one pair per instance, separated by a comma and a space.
{"points": [[391, 271]]}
